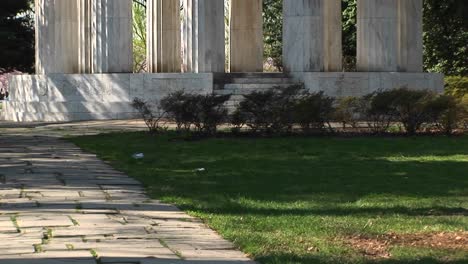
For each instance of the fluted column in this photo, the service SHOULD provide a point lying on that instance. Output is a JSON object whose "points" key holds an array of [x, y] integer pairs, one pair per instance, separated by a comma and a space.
{"points": [[56, 36], [111, 36], [203, 36], [246, 36], [84, 36], [410, 39], [163, 36], [332, 36], [312, 39], [377, 35]]}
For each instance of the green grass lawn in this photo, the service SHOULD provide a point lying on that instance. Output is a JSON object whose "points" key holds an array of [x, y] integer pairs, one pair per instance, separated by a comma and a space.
{"points": [[305, 200]]}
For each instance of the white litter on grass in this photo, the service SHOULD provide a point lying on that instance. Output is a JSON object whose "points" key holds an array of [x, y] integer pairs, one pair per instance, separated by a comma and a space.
{"points": [[200, 169], [138, 155]]}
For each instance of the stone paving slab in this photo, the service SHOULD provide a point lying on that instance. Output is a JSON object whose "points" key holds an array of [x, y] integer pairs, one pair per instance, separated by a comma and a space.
{"points": [[60, 205]]}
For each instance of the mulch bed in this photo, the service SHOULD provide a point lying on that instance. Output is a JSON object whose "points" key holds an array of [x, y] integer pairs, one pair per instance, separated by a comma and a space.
{"points": [[378, 247]]}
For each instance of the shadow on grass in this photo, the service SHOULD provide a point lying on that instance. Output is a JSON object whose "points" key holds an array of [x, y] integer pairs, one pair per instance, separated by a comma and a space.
{"points": [[327, 171], [371, 177], [236, 209]]}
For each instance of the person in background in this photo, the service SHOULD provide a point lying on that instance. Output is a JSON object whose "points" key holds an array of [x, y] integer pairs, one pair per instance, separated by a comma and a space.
{"points": [[4, 75]]}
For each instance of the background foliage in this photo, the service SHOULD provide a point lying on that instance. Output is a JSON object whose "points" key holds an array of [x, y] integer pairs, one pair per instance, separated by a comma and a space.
{"points": [[16, 35], [139, 37], [446, 36], [273, 31]]}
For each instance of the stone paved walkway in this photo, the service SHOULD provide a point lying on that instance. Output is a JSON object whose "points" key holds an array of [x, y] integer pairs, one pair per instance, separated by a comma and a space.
{"points": [[61, 205]]}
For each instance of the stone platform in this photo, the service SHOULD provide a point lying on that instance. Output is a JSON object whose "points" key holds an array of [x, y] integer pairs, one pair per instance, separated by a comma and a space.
{"points": [[342, 84], [75, 97]]}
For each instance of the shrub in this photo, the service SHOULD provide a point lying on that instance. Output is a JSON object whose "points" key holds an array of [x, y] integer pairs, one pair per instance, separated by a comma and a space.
{"points": [[444, 112], [314, 111], [204, 112], [149, 114], [256, 110], [238, 120], [209, 112], [284, 107], [464, 111], [413, 107], [180, 107], [456, 86], [268, 111], [375, 109], [346, 111]]}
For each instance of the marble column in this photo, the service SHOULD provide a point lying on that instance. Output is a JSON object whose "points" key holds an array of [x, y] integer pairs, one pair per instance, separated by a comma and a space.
{"points": [[56, 36], [377, 35], [203, 36], [246, 36], [84, 36], [332, 36], [312, 40], [163, 36], [111, 36], [410, 37]]}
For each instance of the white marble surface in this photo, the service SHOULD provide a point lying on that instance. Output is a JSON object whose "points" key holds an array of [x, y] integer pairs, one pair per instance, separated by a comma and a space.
{"points": [[340, 84], [377, 35], [246, 36], [203, 36], [71, 97], [163, 36], [111, 36], [410, 57], [84, 36], [56, 36], [312, 35]]}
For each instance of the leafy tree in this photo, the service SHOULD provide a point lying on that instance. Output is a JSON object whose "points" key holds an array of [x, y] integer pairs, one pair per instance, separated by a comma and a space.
{"points": [[349, 17], [273, 31], [16, 35], [139, 36], [446, 36]]}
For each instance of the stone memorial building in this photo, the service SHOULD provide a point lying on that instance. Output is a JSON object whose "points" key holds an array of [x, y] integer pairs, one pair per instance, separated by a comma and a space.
{"points": [[84, 54]]}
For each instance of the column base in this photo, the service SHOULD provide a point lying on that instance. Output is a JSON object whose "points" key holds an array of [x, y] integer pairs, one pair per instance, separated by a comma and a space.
{"points": [[77, 97], [342, 84]]}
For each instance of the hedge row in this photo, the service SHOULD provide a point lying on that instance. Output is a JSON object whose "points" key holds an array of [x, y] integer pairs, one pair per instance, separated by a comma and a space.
{"points": [[457, 86], [293, 109]]}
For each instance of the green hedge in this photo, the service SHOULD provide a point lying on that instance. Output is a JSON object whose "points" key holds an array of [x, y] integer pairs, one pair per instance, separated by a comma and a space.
{"points": [[286, 109], [456, 86]]}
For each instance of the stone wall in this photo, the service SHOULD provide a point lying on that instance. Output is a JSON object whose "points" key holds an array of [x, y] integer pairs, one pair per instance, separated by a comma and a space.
{"points": [[341, 84], [74, 97]]}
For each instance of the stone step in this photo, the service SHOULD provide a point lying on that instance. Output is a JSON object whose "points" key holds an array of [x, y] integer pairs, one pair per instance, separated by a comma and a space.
{"points": [[257, 77], [250, 86], [247, 84], [260, 80], [237, 92], [239, 84]]}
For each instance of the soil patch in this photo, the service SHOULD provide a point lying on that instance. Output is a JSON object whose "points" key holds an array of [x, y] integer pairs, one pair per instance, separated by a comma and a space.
{"points": [[378, 247]]}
